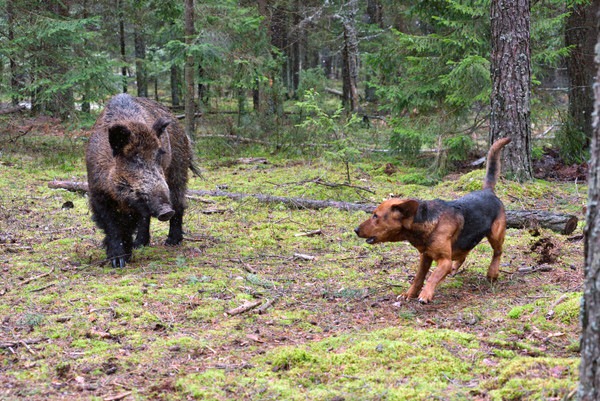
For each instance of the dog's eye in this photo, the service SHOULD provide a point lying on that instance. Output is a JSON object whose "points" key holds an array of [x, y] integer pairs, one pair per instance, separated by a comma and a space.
{"points": [[375, 215]]}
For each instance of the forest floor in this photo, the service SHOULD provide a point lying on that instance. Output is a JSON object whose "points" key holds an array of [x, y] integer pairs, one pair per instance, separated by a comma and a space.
{"points": [[331, 326]]}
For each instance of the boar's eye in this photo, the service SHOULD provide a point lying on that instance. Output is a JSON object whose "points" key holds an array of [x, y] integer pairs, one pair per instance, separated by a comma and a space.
{"points": [[161, 152]]}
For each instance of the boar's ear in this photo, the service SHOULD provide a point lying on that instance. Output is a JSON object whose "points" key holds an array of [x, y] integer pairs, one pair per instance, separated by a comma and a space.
{"points": [[160, 125], [118, 136]]}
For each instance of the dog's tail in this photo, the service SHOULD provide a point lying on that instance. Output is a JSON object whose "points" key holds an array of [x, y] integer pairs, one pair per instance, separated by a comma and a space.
{"points": [[493, 163]]}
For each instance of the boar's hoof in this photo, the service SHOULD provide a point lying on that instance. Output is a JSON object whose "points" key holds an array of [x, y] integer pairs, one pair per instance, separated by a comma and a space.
{"points": [[118, 262]]}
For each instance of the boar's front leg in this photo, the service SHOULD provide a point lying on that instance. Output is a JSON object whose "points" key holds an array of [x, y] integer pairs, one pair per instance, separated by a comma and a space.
{"points": [[175, 228], [118, 230], [142, 237]]}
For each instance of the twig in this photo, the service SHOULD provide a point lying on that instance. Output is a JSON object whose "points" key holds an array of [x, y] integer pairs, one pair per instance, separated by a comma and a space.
{"points": [[11, 344], [303, 256], [243, 308], [118, 396], [551, 312], [29, 280], [266, 306], [309, 233], [335, 185], [28, 347], [43, 288]]}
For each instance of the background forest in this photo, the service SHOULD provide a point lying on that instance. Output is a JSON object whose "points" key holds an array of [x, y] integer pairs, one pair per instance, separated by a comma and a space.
{"points": [[416, 74]]}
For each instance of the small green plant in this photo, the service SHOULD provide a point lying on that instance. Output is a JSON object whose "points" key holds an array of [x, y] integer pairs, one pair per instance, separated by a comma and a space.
{"points": [[571, 143], [331, 127], [458, 147], [406, 142]]}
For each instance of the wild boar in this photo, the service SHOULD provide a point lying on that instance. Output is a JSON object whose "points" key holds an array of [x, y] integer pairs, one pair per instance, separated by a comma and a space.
{"points": [[137, 160]]}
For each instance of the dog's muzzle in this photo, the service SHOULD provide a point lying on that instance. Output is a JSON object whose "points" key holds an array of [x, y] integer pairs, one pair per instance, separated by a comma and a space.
{"points": [[370, 240]]}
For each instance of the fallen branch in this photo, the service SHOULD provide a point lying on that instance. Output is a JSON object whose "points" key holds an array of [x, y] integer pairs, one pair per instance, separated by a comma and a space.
{"points": [[243, 308], [550, 313], [262, 310], [559, 222], [14, 109], [12, 344], [118, 396], [29, 280]]}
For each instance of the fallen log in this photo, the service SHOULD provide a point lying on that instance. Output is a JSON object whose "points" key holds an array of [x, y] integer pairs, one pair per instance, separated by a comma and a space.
{"points": [[558, 222], [14, 109]]}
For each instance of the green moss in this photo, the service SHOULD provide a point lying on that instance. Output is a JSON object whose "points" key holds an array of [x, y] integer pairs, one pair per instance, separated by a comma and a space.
{"points": [[568, 311]]}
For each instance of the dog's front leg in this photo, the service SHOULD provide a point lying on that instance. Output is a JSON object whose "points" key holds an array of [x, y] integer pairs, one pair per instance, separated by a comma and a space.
{"points": [[444, 267], [417, 284]]}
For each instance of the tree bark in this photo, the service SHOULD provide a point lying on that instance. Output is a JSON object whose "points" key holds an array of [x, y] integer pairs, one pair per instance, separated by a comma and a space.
{"points": [[511, 84], [581, 33], [562, 223], [190, 107], [175, 85], [589, 370], [14, 81], [350, 57], [122, 43], [141, 75]]}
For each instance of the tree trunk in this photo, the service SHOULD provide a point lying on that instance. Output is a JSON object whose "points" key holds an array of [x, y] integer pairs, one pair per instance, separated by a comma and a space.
{"points": [[122, 44], [190, 107], [14, 81], [374, 17], [141, 75], [296, 49], [511, 84], [589, 370], [350, 57], [581, 33], [175, 86]]}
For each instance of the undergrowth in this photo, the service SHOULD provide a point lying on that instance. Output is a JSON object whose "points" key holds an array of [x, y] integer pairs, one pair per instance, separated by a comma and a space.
{"points": [[72, 327]]}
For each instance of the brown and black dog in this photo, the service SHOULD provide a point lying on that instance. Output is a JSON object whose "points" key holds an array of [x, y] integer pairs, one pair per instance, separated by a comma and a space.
{"points": [[443, 231]]}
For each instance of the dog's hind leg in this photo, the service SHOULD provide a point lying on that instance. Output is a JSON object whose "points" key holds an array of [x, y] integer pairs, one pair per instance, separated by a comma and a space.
{"points": [[457, 264], [496, 239], [424, 265]]}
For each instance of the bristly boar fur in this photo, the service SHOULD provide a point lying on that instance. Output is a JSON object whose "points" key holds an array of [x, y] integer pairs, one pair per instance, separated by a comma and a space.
{"points": [[137, 159]]}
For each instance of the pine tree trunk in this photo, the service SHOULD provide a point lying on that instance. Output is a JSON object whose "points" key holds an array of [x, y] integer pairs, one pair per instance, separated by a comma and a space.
{"points": [[190, 107], [589, 370], [14, 81], [175, 85], [141, 75], [511, 84], [350, 57], [581, 33], [122, 43]]}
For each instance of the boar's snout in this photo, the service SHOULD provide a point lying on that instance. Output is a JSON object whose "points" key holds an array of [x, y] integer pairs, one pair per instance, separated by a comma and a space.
{"points": [[165, 213]]}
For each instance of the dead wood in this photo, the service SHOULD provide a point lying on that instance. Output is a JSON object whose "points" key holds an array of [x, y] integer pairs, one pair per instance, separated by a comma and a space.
{"points": [[243, 308], [558, 222], [14, 344], [118, 396], [263, 308], [29, 280], [14, 109]]}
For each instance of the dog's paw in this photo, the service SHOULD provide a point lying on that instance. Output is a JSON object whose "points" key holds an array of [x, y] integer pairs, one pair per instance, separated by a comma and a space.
{"points": [[425, 297], [407, 296]]}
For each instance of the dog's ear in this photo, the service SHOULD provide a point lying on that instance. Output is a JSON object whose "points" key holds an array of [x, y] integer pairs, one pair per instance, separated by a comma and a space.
{"points": [[407, 207]]}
